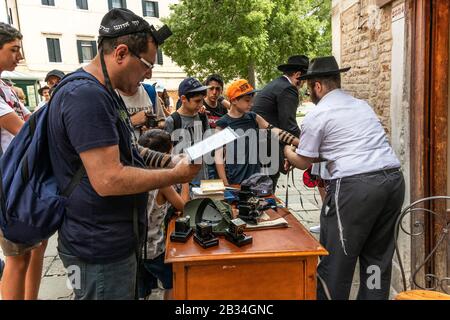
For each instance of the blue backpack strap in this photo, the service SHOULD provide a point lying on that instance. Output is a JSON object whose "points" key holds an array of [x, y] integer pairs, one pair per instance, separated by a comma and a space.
{"points": [[152, 94], [253, 115], [76, 179]]}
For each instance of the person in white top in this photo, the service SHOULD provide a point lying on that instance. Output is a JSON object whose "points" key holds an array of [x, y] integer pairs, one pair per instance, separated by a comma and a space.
{"points": [[12, 114], [165, 100], [23, 269], [45, 93], [365, 187], [144, 115]]}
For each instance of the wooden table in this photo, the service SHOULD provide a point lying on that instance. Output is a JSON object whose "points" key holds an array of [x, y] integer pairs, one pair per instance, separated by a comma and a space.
{"points": [[279, 264]]}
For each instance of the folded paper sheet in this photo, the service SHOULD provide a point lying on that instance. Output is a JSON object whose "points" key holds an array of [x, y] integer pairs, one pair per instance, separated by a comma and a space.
{"points": [[211, 143]]}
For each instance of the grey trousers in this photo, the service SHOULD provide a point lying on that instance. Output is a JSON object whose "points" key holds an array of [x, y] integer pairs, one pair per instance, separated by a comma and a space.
{"points": [[360, 226]]}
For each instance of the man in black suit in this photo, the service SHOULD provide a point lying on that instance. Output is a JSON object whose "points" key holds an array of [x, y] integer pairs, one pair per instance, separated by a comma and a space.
{"points": [[277, 103]]}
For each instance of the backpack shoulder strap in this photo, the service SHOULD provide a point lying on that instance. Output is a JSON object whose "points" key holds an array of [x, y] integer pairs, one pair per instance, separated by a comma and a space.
{"points": [[205, 121], [69, 78], [253, 116], [76, 179], [152, 94], [176, 120]]}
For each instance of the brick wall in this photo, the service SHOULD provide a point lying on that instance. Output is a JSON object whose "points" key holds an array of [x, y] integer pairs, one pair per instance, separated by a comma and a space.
{"points": [[366, 43]]}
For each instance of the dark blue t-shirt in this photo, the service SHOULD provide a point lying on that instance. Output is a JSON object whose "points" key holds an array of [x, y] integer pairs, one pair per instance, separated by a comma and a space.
{"points": [[241, 160], [84, 116]]}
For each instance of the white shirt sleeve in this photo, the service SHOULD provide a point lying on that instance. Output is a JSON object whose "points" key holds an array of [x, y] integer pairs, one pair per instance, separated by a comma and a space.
{"points": [[310, 137], [4, 108], [25, 110]]}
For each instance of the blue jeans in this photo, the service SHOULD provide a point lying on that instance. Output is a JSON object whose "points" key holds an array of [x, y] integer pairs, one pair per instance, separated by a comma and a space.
{"points": [[152, 270], [112, 281]]}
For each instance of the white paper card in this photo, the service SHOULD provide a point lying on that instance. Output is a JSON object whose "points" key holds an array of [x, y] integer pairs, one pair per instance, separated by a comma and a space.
{"points": [[211, 143]]}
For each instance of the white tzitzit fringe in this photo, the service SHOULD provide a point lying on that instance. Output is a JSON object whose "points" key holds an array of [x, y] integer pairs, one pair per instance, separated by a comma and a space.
{"points": [[341, 228]]}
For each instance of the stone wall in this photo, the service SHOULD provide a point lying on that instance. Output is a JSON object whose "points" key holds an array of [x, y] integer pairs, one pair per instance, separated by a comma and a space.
{"points": [[366, 43]]}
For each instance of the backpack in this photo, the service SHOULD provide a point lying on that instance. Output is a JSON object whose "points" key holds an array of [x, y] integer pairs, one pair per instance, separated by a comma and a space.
{"points": [[177, 121], [152, 94], [32, 205]]}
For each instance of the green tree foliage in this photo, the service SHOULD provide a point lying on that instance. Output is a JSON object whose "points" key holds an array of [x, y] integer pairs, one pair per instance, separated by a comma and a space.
{"points": [[241, 38]]}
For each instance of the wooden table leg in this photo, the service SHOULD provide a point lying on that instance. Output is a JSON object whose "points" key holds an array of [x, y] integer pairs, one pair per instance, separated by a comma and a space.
{"points": [[179, 281], [311, 278]]}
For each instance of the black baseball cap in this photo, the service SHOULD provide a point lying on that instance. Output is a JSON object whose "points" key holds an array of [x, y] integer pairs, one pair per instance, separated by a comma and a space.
{"points": [[190, 85], [120, 22]]}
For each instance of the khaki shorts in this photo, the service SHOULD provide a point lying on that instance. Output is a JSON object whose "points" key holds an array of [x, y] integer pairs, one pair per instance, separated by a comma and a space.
{"points": [[11, 249]]}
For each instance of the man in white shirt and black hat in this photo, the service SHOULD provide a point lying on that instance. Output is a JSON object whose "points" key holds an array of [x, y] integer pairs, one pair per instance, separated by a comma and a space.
{"points": [[365, 187], [278, 102]]}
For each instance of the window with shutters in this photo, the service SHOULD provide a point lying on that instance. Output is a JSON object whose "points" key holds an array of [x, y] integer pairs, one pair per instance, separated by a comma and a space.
{"points": [[87, 50], [117, 4], [150, 8], [54, 50], [82, 4], [159, 57], [48, 2]]}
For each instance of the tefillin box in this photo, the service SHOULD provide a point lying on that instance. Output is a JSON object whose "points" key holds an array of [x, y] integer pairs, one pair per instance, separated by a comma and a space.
{"points": [[182, 230], [248, 206], [235, 233], [204, 235]]}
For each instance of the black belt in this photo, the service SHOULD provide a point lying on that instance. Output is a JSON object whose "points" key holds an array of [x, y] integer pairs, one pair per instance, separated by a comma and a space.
{"points": [[373, 173]]}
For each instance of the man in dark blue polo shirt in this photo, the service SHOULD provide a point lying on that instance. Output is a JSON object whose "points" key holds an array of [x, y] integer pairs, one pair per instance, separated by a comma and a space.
{"points": [[89, 126]]}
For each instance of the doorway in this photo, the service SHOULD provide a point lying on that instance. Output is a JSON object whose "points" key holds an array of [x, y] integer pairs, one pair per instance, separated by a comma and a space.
{"points": [[430, 154]]}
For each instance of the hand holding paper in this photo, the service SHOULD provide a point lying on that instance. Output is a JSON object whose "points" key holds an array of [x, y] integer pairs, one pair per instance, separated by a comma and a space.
{"points": [[211, 143]]}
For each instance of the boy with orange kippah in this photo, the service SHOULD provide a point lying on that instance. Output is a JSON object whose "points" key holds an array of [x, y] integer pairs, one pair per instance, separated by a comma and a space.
{"points": [[241, 163]]}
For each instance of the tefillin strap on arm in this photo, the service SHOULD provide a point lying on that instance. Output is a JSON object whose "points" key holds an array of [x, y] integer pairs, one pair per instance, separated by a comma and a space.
{"points": [[154, 159], [284, 136]]}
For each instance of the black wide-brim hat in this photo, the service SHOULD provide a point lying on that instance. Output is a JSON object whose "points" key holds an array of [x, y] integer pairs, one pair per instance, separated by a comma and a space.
{"points": [[295, 63], [41, 90], [322, 67]]}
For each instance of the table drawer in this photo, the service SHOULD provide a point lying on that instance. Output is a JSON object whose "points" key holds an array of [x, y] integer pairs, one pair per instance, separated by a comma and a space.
{"points": [[246, 280]]}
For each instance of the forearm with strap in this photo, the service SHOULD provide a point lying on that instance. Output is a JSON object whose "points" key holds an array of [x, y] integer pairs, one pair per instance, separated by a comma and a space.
{"points": [[284, 136], [154, 159]]}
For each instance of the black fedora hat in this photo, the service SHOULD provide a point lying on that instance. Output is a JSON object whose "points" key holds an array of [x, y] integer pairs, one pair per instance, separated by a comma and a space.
{"points": [[295, 63], [41, 90], [322, 67]]}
